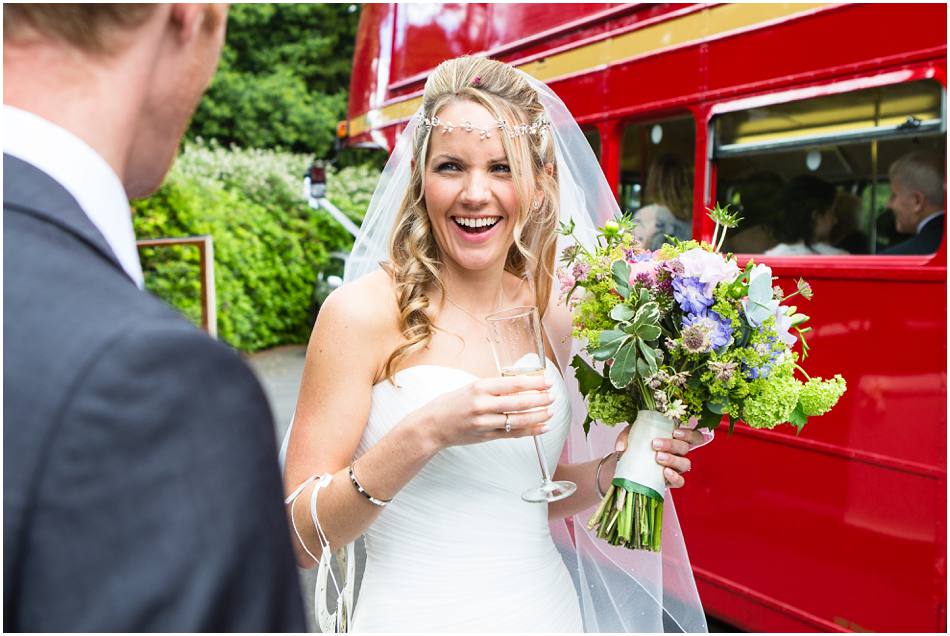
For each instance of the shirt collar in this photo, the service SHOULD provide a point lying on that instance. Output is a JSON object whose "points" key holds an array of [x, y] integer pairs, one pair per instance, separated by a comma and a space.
{"points": [[920, 226], [83, 173]]}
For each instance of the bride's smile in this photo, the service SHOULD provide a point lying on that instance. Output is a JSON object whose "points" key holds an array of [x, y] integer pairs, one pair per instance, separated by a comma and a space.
{"points": [[470, 195]]}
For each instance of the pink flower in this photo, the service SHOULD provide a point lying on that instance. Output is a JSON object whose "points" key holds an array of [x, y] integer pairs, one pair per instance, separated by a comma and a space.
{"points": [[643, 272], [567, 281]]}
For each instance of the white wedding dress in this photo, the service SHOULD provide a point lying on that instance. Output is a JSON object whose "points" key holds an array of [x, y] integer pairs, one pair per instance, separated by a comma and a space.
{"points": [[458, 549]]}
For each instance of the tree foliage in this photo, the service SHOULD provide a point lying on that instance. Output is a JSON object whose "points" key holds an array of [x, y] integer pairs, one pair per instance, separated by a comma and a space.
{"points": [[283, 77]]}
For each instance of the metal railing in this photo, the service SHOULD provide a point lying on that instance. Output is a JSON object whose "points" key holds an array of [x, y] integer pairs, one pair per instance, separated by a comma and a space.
{"points": [[205, 245]]}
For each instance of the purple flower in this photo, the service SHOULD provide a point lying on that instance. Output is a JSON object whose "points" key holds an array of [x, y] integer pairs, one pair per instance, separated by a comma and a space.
{"points": [[718, 330], [691, 295], [581, 270]]}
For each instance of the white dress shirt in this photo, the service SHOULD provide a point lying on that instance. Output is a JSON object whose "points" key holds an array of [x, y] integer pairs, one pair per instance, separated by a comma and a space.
{"points": [[83, 173]]}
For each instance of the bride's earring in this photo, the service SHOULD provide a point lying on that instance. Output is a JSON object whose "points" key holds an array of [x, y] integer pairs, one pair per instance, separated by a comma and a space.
{"points": [[536, 205]]}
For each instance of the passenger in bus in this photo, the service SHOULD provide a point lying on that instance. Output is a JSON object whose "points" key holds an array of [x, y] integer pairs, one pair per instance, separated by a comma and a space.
{"points": [[806, 218], [918, 196], [846, 233], [669, 197], [756, 197]]}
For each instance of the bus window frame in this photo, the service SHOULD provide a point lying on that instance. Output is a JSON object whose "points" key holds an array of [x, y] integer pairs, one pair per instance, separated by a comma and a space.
{"points": [[923, 267]]}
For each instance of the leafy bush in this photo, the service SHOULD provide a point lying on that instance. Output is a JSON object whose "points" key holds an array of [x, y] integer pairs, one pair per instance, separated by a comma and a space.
{"points": [[269, 245]]}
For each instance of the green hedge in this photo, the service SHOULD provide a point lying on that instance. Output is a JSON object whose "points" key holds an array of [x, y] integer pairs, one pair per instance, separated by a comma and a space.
{"points": [[269, 245]]}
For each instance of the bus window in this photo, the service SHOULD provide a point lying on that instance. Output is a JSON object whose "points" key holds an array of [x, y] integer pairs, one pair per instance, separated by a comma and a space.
{"points": [[814, 176], [656, 178], [593, 138]]}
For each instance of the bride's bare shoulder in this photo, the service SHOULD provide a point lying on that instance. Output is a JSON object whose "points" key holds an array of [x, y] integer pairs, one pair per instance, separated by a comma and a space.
{"points": [[368, 305]]}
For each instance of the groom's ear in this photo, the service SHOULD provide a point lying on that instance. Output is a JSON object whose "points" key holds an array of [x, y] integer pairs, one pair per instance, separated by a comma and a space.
{"points": [[191, 20]]}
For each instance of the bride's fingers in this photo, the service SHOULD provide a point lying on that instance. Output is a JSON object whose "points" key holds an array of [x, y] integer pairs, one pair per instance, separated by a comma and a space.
{"points": [[520, 423], [673, 478], [513, 384], [679, 464], [520, 402]]}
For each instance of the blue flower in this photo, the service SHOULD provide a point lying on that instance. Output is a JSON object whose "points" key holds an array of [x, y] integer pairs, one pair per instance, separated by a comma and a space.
{"points": [[718, 330], [691, 295]]}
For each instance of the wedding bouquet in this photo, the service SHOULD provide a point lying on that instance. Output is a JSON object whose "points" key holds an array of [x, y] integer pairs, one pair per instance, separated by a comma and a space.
{"points": [[682, 336]]}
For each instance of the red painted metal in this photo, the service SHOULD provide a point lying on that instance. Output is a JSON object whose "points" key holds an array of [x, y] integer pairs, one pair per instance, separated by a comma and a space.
{"points": [[842, 528]]}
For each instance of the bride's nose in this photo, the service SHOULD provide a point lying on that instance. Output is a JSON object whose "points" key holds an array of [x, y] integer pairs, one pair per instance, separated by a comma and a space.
{"points": [[476, 191]]}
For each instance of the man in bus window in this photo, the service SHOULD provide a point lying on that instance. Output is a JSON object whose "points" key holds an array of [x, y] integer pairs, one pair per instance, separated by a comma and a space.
{"points": [[918, 192]]}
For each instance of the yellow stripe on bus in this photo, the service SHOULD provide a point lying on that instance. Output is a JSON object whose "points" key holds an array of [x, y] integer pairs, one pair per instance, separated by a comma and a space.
{"points": [[693, 27]]}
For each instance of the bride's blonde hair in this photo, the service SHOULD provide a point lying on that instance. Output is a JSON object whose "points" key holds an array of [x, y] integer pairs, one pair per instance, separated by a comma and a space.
{"points": [[414, 259]]}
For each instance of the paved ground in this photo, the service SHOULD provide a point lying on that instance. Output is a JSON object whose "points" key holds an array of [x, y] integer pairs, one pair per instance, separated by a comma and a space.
{"points": [[279, 370]]}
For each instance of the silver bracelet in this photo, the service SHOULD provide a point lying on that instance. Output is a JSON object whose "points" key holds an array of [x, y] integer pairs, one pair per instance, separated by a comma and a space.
{"points": [[359, 488], [597, 474]]}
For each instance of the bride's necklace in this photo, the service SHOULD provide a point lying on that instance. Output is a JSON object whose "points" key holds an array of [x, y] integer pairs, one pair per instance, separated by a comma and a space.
{"points": [[480, 321]]}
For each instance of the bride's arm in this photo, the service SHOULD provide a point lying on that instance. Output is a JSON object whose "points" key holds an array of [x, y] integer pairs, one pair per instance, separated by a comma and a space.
{"points": [[332, 409]]}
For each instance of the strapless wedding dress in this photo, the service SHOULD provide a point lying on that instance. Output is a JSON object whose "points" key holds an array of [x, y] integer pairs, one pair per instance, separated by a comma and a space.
{"points": [[457, 549]]}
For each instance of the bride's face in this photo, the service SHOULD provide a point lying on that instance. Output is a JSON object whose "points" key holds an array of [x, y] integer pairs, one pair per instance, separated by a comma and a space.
{"points": [[469, 192]]}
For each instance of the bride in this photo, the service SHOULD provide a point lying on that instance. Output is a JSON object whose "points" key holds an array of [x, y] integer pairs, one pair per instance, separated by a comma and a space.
{"points": [[400, 400]]}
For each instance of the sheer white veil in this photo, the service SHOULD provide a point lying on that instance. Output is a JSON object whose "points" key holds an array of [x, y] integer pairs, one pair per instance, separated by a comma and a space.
{"points": [[619, 590]]}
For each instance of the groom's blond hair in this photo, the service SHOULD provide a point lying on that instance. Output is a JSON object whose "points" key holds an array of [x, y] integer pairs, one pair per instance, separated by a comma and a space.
{"points": [[414, 256], [96, 29]]}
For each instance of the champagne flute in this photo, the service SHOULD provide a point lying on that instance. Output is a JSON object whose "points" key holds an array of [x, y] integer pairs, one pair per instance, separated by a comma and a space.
{"points": [[515, 337]]}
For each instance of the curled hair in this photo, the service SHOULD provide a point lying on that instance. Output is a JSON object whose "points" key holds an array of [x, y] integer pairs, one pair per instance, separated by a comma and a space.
{"points": [[415, 262]]}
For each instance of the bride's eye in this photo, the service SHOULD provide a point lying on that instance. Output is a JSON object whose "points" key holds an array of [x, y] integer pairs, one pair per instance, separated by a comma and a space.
{"points": [[447, 166], [502, 168]]}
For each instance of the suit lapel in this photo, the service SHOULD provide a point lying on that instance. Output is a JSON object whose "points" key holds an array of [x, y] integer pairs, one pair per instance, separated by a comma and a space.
{"points": [[31, 191]]}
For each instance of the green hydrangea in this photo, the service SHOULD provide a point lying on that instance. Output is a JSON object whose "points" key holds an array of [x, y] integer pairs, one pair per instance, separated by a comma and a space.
{"points": [[771, 402], [611, 407], [818, 396]]}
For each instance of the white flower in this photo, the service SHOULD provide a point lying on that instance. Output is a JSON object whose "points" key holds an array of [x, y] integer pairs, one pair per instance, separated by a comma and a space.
{"points": [[783, 323], [709, 267], [759, 304], [676, 410]]}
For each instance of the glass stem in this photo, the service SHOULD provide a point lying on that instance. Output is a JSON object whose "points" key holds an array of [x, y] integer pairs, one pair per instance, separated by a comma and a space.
{"points": [[544, 466]]}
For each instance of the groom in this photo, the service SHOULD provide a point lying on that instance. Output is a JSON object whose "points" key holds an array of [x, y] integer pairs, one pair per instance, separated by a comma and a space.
{"points": [[140, 485]]}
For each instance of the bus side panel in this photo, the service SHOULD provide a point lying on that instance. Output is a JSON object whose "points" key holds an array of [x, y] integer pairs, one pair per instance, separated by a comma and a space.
{"points": [[844, 525]]}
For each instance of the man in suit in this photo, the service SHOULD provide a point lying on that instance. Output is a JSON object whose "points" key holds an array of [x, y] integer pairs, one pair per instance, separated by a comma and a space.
{"points": [[140, 483], [918, 196]]}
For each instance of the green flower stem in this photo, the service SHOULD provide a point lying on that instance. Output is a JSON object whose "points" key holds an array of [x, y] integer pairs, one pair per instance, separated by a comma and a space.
{"points": [[807, 377]]}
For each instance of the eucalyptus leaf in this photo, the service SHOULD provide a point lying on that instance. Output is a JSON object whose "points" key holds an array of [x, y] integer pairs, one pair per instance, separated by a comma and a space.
{"points": [[649, 356], [648, 313], [621, 313], [648, 332], [643, 368], [717, 406], [610, 341], [624, 367], [621, 275], [588, 380], [709, 420]]}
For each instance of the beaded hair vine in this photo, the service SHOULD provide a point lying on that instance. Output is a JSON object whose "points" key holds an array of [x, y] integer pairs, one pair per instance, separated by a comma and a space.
{"points": [[538, 127]]}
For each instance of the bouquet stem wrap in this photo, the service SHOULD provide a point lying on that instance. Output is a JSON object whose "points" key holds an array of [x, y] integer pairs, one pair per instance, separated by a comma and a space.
{"points": [[631, 513]]}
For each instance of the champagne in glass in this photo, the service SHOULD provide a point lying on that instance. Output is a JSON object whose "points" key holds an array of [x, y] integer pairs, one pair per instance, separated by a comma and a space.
{"points": [[515, 337]]}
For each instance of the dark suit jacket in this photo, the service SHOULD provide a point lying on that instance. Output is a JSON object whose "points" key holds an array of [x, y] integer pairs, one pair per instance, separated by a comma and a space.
{"points": [[924, 242], [140, 485]]}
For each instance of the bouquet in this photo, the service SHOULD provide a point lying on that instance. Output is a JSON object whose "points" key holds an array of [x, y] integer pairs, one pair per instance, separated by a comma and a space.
{"points": [[681, 336]]}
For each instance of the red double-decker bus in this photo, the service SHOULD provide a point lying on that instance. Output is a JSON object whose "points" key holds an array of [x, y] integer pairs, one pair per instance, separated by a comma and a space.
{"points": [[842, 528]]}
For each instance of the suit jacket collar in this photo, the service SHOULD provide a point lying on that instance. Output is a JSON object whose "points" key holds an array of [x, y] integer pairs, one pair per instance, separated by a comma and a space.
{"points": [[31, 191]]}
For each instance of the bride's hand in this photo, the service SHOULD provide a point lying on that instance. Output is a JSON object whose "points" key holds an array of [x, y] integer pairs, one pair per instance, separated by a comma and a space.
{"points": [[671, 454], [477, 412]]}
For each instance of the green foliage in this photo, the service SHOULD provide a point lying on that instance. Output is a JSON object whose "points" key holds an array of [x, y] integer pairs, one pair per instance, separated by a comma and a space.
{"points": [[269, 244], [283, 77]]}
